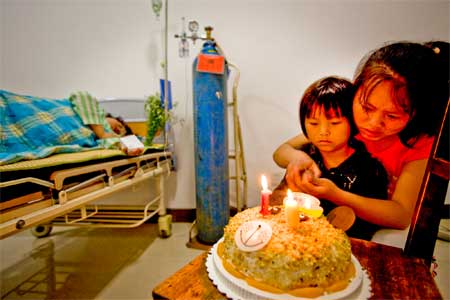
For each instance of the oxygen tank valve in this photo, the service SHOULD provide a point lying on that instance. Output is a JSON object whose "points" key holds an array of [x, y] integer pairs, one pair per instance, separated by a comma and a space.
{"points": [[193, 28], [208, 30]]}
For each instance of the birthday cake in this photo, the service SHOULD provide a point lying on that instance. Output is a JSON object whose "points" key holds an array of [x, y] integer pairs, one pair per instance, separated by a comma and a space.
{"points": [[307, 260]]}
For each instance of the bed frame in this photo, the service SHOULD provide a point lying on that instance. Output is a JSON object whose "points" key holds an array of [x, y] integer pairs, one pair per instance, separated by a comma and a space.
{"points": [[68, 189], [68, 196]]}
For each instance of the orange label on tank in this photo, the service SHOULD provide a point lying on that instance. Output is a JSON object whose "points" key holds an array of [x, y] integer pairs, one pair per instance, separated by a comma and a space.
{"points": [[211, 63]]}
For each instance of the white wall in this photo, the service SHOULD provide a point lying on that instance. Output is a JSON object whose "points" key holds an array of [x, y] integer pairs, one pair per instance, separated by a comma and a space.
{"points": [[112, 48]]}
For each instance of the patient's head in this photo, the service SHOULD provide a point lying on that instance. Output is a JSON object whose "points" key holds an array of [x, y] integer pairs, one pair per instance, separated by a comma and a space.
{"points": [[118, 125]]}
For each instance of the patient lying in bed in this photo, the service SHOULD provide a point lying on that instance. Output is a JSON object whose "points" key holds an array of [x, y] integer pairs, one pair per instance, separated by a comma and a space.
{"points": [[36, 127], [107, 128]]}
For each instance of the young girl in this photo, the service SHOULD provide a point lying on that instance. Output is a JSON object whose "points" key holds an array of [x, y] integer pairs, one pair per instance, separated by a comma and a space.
{"points": [[326, 119]]}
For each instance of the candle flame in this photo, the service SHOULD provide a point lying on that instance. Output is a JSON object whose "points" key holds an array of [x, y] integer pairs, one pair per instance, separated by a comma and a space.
{"points": [[290, 195], [264, 182]]}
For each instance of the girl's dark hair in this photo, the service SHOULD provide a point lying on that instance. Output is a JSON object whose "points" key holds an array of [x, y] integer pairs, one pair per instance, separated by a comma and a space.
{"points": [[418, 87], [334, 94], [128, 130]]}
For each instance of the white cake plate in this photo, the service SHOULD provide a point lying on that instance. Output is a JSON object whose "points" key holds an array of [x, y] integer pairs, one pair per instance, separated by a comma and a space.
{"points": [[236, 288]]}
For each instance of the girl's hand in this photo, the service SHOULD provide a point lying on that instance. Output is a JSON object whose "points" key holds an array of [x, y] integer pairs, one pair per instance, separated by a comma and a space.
{"points": [[321, 188]]}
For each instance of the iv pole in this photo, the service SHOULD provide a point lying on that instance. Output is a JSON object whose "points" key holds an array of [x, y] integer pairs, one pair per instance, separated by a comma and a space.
{"points": [[164, 220], [166, 72], [156, 6]]}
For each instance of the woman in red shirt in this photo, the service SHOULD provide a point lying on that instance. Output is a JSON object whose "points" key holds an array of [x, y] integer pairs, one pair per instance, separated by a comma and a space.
{"points": [[396, 109]]}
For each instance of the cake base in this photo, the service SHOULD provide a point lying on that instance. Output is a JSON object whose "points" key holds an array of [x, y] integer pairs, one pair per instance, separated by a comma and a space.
{"points": [[235, 288]]}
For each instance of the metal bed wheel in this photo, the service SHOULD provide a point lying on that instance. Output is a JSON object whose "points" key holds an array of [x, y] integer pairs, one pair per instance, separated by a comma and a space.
{"points": [[41, 231], [165, 226]]}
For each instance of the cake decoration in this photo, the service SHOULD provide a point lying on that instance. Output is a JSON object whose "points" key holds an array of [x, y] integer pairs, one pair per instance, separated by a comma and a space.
{"points": [[253, 235], [309, 205], [274, 210]]}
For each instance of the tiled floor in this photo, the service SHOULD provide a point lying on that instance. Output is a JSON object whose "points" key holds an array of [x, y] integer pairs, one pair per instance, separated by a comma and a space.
{"points": [[86, 263]]}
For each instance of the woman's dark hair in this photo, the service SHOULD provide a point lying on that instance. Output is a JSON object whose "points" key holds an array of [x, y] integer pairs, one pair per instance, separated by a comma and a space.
{"points": [[441, 50], [128, 130], [417, 86], [334, 94]]}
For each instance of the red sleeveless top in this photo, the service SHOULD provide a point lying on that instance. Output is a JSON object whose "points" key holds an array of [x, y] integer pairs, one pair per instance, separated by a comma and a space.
{"points": [[397, 155]]}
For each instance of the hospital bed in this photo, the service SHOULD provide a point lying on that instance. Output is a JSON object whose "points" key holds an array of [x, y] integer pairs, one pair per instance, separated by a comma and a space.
{"points": [[68, 188]]}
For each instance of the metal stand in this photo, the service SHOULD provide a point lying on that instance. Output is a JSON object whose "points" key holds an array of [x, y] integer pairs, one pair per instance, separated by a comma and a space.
{"points": [[193, 242], [240, 176]]}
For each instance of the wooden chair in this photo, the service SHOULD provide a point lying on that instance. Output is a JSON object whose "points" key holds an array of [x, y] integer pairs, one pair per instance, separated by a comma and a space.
{"points": [[429, 209]]}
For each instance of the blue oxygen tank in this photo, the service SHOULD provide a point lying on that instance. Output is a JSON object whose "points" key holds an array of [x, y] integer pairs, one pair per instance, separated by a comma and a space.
{"points": [[211, 143]]}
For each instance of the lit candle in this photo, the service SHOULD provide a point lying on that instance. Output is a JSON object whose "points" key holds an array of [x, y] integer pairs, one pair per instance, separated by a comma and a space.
{"points": [[291, 210], [265, 194], [310, 205]]}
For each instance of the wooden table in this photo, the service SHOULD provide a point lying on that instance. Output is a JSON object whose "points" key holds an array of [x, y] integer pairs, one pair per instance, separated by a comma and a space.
{"points": [[393, 276]]}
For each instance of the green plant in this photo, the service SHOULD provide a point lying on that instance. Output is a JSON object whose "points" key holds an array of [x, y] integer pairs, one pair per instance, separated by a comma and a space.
{"points": [[156, 117]]}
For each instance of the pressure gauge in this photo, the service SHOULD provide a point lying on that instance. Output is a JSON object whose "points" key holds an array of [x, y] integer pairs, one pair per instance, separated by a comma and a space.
{"points": [[193, 26]]}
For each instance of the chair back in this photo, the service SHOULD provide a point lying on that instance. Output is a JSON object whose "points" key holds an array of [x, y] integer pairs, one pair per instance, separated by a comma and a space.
{"points": [[429, 209]]}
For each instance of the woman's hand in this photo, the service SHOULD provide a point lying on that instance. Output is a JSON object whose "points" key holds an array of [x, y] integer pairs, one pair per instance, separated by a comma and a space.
{"points": [[300, 171]]}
